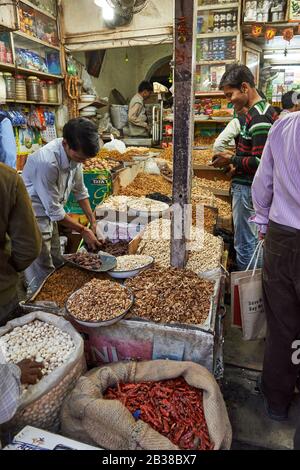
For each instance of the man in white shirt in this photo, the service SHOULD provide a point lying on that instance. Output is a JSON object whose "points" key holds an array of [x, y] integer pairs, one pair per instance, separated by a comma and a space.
{"points": [[50, 175], [137, 116]]}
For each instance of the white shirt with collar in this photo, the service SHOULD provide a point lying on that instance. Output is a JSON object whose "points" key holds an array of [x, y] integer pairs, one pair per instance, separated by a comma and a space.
{"points": [[50, 177]]}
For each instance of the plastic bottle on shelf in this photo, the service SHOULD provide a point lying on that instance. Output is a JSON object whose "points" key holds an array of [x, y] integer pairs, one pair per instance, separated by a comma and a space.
{"points": [[33, 86]]}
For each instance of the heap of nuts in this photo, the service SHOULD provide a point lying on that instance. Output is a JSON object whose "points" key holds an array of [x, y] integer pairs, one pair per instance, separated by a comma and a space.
{"points": [[42, 342], [215, 184], [204, 250], [86, 260], [133, 203], [202, 157], [115, 249], [96, 164], [99, 300], [170, 295], [167, 154], [62, 283], [132, 262], [145, 184]]}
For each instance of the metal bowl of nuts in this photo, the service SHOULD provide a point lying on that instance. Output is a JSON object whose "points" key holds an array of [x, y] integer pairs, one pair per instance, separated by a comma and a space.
{"points": [[95, 262], [129, 266], [100, 303]]}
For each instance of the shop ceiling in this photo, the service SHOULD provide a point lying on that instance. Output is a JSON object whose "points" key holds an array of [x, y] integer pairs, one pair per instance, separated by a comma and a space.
{"points": [[85, 28]]}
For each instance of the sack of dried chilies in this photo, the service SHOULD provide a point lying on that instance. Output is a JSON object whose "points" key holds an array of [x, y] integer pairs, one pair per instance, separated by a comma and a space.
{"points": [[155, 405], [53, 341]]}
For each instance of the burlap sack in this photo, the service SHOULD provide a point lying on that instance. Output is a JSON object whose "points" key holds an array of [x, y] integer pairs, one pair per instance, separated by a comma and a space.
{"points": [[89, 418], [40, 407]]}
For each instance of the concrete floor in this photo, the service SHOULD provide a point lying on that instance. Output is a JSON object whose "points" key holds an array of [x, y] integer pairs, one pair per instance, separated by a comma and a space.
{"points": [[252, 428]]}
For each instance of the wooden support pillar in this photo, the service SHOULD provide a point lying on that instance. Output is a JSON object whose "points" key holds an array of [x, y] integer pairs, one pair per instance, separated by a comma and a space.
{"points": [[184, 56]]}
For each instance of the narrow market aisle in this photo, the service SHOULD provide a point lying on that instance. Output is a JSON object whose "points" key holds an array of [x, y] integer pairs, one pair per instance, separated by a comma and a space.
{"points": [[252, 429]]}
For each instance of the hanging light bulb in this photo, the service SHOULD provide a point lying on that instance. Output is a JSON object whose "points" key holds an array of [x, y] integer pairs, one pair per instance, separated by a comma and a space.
{"points": [[107, 11], [126, 57]]}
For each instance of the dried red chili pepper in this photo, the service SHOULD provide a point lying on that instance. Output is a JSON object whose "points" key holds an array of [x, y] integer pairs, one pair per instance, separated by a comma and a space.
{"points": [[171, 407]]}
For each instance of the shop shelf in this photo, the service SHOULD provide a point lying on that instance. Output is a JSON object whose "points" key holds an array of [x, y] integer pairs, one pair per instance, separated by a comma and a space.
{"points": [[25, 36], [40, 10], [210, 93], [33, 102], [39, 74], [217, 35], [7, 66], [225, 6], [213, 62]]}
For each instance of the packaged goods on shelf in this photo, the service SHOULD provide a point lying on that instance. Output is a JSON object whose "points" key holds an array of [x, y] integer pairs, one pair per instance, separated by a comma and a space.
{"points": [[30, 60]]}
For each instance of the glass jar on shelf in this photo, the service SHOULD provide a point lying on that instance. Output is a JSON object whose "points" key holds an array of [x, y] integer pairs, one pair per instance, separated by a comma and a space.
{"points": [[52, 92], [44, 92], [10, 84], [21, 93], [34, 91]]}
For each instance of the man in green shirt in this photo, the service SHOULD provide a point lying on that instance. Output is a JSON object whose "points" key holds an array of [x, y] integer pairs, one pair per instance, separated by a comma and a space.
{"points": [[20, 238]]}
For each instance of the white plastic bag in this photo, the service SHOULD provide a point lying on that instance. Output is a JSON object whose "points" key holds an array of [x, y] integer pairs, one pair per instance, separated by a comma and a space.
{"points": [[151, 167], [115, 144]]}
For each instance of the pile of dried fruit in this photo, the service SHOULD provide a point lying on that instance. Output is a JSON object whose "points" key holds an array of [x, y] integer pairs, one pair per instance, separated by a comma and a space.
{"points": [[98, 164], [167, 154], [85, 260], [145, 184], [62, 283], [131, 203], [99, 300], [204, 140], [114, 155], [116, 249], [207, 197], [132, 262], [171, 407], [42, 342], [202, 157], [205, 250], [215, 184], [170, 295]]}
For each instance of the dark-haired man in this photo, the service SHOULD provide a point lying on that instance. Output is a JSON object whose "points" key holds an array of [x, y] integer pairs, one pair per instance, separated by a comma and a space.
{"points": [[239, 88], [137, 116], [50, 175], [290, 103]]}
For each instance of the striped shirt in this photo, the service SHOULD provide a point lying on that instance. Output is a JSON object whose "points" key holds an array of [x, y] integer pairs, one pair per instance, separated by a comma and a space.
{"points": [[276, 186], [253, 136], [10, 391]]}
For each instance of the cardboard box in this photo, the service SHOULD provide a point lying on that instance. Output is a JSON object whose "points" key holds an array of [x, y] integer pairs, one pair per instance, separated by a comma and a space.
{"points": [[37, 439]]}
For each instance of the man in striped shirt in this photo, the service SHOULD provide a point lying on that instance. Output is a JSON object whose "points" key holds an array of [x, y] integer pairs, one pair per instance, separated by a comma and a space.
{"points": [[276, 198], [239, 88]]}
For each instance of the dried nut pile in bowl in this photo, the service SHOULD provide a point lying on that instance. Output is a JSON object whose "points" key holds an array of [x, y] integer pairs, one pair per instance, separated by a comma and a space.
{"points": [[98, 301], [86, 260], [40, 341], [132, 262], [170, 295]]}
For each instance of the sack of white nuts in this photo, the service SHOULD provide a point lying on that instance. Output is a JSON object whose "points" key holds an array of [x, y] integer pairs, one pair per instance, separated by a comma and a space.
{"points": [[53, 341]]}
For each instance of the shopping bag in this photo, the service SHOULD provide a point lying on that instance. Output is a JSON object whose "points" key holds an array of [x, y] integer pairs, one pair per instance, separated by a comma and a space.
{"points": [[234, 289], [253, 316]]}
